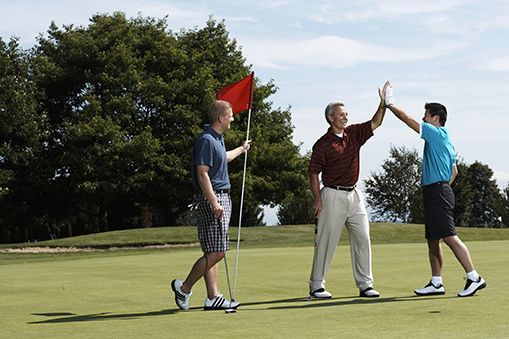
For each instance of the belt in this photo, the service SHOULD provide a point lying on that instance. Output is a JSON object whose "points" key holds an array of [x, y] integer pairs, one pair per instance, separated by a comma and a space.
{"points": [[222, 191], [342, 188], [438, 183]]}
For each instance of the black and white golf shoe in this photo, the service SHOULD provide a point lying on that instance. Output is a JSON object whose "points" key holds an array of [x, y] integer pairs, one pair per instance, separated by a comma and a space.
{"points": [[472, 286], [431, 289], [181, 298], [321, 293], [219, 303]]}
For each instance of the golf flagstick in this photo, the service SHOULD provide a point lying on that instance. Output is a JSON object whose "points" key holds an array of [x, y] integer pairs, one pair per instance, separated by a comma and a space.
{"points": [[241, 204]]}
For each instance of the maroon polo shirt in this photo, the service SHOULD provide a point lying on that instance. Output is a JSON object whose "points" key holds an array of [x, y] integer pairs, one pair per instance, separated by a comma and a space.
{"points": [[338, 158]]}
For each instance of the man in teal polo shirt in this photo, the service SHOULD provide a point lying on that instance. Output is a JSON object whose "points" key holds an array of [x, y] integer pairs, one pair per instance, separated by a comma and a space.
{"points": [[438, 172]]}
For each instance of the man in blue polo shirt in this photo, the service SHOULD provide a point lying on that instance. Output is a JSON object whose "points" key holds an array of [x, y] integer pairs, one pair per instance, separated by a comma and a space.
{"points": [[210, 177], [438, 172]]}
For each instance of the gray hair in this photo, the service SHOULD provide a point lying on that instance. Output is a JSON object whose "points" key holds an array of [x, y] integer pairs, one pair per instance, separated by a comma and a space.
{"points": [[329, 110]]}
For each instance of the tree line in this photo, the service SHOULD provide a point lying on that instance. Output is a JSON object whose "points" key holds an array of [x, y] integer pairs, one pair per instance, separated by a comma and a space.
{"points": [[98, 125]]}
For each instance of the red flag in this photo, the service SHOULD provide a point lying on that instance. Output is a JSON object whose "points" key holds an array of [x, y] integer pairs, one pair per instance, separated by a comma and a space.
{"points": [[239, 94]]}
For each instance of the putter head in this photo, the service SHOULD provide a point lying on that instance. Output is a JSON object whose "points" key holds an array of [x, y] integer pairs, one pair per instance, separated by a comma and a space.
{"points": [[230, 310]]}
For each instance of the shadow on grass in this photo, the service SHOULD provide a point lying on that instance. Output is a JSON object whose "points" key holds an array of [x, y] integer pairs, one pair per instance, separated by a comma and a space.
{"points": [[292, 303], [64, 317], [302, 303]]}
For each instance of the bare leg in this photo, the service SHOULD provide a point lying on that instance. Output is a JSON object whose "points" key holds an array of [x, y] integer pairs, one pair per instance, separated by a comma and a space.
{"points": [[200, 269], [211, 281], [461, 252], [436, 257]]}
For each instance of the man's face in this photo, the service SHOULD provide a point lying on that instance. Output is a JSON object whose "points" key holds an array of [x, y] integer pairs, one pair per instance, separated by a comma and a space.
{"points": [[227, 119], [435, 121], [339, 118]]}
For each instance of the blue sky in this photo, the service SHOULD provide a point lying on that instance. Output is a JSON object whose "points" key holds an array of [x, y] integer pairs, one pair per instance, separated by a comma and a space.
{"points": [[455, 52]]}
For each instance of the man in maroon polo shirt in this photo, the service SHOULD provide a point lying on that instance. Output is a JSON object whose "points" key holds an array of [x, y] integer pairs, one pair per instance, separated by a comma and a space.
{"points": [[340, 203]]}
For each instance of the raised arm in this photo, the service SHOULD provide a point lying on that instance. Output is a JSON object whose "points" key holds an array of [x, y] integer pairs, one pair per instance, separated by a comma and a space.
{"points": [[407, 119], [377, 119]]}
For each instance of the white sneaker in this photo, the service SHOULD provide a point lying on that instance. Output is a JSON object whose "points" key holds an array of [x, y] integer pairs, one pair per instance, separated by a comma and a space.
{"points": [[472, 286], [431, 289], [181, 298], [369, 293], [219, 303], [320, 293]]}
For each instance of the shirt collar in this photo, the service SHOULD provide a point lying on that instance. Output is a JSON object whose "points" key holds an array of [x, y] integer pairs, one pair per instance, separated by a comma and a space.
{"points": [[212, 131]]}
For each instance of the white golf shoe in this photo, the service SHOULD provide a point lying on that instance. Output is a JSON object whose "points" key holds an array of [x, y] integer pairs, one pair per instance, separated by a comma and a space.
{"points": [[320, 293], [472, 286], [369, 293], [219, 303], [431, 289], [181, 298]]}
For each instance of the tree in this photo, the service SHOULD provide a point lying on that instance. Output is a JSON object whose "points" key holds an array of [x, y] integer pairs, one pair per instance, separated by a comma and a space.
{"points": [[463, 194], [23, 132], [394, 192], [504, 217], [486, 197], [124, 100], [297, 208]]}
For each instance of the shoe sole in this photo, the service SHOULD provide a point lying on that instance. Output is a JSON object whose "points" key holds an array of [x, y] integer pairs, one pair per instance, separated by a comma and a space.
{"points": [[328, 297], [477, 289], [431, 293], [220, 308]]}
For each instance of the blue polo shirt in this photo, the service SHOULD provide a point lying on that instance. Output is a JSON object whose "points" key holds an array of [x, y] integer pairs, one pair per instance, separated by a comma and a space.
{"points": [[209, 150], [439, 154]]}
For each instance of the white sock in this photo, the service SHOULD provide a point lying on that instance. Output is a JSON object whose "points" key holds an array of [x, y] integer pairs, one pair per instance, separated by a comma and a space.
{"points": [[473, 275], [437, 281]]}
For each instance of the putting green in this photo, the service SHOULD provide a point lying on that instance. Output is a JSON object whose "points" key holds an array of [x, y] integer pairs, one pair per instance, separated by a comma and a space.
{"points": [[130, 297]]}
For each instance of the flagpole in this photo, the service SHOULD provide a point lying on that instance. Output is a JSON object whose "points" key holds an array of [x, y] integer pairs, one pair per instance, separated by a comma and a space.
{"points": [[241, 204]]}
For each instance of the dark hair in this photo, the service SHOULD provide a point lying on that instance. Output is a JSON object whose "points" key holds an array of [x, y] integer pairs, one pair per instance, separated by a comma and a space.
{"points": [[437, 109]]}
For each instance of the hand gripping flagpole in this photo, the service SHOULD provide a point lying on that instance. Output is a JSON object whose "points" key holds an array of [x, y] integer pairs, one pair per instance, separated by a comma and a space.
{"points": [[241, 204]]}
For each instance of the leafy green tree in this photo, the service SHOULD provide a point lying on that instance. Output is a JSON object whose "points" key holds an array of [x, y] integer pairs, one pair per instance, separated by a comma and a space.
{"points": [[462, 193], [297, 208], [504, 215], [486, 198], [127, 97], [23, 131], [394, 192]]}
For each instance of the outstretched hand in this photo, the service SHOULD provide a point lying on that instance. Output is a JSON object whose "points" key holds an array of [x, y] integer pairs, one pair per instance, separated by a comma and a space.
{"points": [[382, 92]]}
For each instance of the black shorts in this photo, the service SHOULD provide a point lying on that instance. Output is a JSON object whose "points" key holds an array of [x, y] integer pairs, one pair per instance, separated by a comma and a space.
{"points": [[438, 210]]}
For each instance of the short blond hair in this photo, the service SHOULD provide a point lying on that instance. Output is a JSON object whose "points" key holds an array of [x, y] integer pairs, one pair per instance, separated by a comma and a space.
{"points": [[218, 108]]}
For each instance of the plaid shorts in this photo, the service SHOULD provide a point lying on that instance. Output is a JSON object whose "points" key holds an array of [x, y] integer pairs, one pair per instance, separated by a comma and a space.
{"points": [[210, 230]]}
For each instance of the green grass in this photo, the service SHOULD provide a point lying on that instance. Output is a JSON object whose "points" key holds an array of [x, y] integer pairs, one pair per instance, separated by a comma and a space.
{"points": [[252, 237], [127, 294]]}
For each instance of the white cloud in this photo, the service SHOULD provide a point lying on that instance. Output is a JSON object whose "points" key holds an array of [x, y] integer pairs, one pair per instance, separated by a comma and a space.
{"points": [[498, 64], [336, 52], [502, 178]]}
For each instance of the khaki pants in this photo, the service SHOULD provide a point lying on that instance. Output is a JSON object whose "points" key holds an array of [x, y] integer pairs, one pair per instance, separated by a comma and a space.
{"points": [[342, 208]]}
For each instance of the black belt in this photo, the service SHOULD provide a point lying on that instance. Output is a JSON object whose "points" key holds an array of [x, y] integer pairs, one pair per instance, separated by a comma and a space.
{"points": [[438, 183], [342, 188], [222, 191]]}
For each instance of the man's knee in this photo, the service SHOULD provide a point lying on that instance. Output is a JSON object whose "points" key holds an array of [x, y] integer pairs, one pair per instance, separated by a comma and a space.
{"points": [[214, 257]]}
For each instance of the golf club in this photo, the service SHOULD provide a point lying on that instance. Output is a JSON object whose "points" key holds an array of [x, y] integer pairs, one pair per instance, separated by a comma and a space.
{"points": [[228, 310]]}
